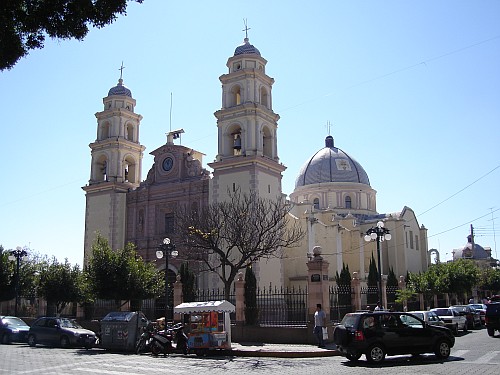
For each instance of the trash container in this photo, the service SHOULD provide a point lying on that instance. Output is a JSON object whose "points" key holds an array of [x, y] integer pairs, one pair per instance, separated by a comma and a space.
{"points": [[120, 330]]}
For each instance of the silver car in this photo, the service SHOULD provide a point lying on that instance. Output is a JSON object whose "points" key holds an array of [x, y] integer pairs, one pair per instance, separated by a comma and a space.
{"points": [[430, 317], [60, 331]]}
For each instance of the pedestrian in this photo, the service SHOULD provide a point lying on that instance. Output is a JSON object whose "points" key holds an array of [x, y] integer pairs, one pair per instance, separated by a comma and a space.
{"points": [[471, 300], [378, 307], [319, 324]]}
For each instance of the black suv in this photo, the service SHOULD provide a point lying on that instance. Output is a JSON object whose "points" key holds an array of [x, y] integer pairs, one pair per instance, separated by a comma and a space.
{"points": [[376, 334]]}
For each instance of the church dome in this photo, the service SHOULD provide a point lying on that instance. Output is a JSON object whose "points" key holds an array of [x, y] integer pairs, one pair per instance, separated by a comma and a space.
{"points": [[246, 48], [467, 252], [120, 89], [331, 164]]}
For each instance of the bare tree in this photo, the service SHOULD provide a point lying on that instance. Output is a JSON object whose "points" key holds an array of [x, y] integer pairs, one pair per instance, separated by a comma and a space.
{"points": [[226, 236]]}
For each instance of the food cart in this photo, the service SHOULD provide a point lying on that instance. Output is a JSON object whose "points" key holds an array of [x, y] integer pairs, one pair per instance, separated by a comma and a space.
{"points": [[209, 325]]}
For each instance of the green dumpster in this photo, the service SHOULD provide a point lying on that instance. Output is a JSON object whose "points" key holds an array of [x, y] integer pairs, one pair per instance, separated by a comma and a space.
{"points": [[120, 330]]}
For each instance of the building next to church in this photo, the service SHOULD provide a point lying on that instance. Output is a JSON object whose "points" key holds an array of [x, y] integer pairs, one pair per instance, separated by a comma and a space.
{"points": [[332, 198]]}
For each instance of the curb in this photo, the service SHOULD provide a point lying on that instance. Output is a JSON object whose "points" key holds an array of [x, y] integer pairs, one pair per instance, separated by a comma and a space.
{"points": [[282, 354]]}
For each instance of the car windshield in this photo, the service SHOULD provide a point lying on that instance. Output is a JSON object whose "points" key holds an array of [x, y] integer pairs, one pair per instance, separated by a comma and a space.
{"points": [[460, 308], [349, 320], [14, 322], [443, 312], [67, 323], [477, 306]]}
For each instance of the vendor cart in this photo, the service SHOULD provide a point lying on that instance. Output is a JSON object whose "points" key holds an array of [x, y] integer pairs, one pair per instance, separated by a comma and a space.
{"points": [[209, 325]]}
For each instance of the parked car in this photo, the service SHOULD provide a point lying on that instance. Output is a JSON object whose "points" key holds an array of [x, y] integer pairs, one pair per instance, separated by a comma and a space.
{"points": [[481, 308], [452, 319], [473, 318], [376, 334], [492, 318], [60, 331], [430, 317], [13, 329]]}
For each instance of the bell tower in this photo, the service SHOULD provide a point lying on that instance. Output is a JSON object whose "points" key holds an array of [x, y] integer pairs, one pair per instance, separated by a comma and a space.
{"points": [[247, 156], [116, 160]]}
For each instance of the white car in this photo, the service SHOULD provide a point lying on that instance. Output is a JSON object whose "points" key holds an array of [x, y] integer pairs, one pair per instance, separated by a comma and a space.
{"points": [[430, 317], [452, 319]]}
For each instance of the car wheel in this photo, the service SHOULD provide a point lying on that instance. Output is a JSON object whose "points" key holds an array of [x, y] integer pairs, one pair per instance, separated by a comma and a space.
{"points": [[155, 349], [376, 354], [64, 342], [442, 349], [491, 331], [5, 339], [31, 340], [353, 356]]}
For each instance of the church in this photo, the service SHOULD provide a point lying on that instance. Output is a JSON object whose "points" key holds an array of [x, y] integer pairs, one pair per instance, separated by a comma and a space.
{"points": [[332, 199]]}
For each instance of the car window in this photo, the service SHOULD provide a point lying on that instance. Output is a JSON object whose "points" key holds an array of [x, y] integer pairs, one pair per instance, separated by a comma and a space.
{"points": [[349, 320], [418, 315], [411, 321], [68, 323], [13, 322], [51, 323], [40, 323]]}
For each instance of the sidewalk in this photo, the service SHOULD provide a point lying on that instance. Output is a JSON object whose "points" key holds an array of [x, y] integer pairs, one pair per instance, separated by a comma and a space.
{"points": [[251, 349]]}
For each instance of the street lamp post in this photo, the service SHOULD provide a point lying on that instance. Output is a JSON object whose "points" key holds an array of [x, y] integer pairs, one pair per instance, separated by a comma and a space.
{"points": [[379, 234], [166, 249], [17, 255]]}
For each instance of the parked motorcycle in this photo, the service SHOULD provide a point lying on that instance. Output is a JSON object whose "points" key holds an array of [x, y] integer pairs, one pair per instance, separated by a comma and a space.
{"points": [[163, 341], [143, 345]]}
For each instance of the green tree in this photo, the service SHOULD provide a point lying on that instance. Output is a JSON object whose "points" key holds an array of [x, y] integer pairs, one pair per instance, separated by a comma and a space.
{"points": [[372, 282], [228, 235], [26, 23], [344, 285], [121, 275], [60, 284], [251, 310], [392, 286], [489, 280], [7, 287], [188, 283]]}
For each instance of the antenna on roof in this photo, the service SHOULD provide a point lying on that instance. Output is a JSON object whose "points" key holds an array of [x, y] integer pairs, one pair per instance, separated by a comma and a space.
{"points": [[170, 111], [328, 127], [246, 28]]}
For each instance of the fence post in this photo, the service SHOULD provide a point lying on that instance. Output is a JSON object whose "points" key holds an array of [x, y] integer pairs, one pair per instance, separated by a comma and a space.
{"points": [[402, 286], [240, 299], [317, 283], [356, 284], [178, 297]]}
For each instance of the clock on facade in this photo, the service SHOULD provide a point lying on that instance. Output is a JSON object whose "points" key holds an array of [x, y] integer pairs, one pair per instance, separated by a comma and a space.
{"points": [[167, 164]]}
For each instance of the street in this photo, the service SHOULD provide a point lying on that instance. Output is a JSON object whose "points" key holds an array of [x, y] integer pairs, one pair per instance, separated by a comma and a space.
{"points": [[474, 352]]}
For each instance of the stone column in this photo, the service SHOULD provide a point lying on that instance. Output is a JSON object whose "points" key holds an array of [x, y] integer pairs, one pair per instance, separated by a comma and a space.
{"points": [[240, 299], [318, 283], [178, 297], [356, 284]]}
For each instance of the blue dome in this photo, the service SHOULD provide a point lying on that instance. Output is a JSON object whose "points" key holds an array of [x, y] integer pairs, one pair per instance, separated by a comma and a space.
{"points": [[246, 49], [468, 252], [120, 89], [331, 164]]}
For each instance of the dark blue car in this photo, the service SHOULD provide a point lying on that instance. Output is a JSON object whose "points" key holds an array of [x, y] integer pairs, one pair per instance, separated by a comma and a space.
{"points": [[13, 329]]}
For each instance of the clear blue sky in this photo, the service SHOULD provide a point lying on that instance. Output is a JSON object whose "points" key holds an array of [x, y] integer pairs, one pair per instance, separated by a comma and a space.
{"points": [[412, 89]]}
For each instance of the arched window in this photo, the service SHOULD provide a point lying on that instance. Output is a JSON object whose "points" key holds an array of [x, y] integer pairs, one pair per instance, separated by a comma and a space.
{"points": [[235, 96], [129, 170], [130, 132], [348, 202], [316, 203], [105, 131], [267, 143], [264, 97]]}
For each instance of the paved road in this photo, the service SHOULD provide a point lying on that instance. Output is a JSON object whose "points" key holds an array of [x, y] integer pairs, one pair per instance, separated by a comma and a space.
{"points": [[474, 352]]}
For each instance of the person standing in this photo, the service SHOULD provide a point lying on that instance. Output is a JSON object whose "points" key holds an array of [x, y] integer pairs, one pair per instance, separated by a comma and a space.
{"points": [[319, 323]]}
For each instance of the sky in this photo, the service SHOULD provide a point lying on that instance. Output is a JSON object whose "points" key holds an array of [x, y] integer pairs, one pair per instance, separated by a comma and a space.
{"points": [[411, 90]]}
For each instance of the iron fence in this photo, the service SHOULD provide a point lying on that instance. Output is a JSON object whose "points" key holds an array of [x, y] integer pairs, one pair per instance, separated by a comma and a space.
{"points": [[281, 307], [340, 298]]}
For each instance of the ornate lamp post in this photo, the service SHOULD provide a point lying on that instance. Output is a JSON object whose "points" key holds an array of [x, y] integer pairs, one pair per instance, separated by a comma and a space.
{"points": [[166, 249], [18, 255], [379, 234]]}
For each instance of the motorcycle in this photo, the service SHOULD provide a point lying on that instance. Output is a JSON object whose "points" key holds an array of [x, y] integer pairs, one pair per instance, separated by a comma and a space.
{"points": [[162, 341], [143, 345]]}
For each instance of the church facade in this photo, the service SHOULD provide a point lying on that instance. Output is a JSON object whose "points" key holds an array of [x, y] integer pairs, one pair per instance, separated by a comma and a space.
{"points": [[332, 198]]}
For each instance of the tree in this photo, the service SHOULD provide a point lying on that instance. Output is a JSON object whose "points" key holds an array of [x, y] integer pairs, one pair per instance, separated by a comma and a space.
{"points": [[188, 284], [251, 310], [490, 280], [392, 286], [60, 284], [228, 235], [122, 274], [26, 23], [344, 285], [372, 282], [7, 286]]}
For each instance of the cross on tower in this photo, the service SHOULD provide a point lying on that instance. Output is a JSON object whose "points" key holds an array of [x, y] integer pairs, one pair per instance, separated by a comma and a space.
{"points": [[328, 127], [246, 28], [121, 70]]}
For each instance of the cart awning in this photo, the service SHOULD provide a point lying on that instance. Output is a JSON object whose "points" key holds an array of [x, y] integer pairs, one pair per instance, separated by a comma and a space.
{"points": [[206, 306]]}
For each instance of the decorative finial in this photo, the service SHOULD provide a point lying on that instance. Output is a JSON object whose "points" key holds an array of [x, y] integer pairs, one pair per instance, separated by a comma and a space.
{"points": [[245, 29], [121, 71]]}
